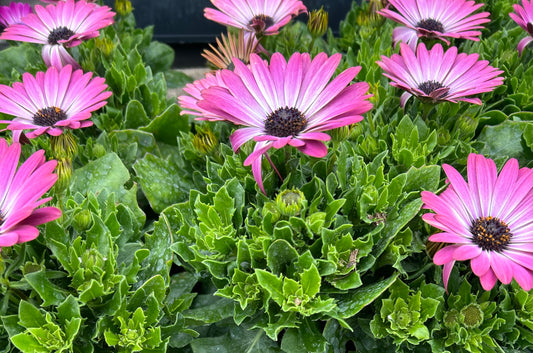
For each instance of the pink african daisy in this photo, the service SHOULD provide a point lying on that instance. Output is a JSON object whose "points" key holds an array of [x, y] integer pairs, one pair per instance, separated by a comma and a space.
{"points": [[435, 76], [264, 17], [52, 101], [286, 103], [61, 26], [13, 14], [20, 193], [435, 19], [189, 103], [524, 18], [487, 220]]}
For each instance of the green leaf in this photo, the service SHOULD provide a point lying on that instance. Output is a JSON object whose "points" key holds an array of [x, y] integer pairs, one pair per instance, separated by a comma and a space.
{"points": [[30, 316], [272, 283], [68, 310], [280, 256], [310, 279], [237, 340], [167, 126], [135, 115], [217, 310], [50, 293], [306, 338], [350, 304], [159, 56], [503, 140], [162, 181]]}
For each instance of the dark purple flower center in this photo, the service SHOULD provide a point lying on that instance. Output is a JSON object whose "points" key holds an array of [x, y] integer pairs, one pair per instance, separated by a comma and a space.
{"points": [[529, 27], [285, 122], [490, 233], [60, 33], [261, 22], [431, 25], [49, 116], [429, 86]]}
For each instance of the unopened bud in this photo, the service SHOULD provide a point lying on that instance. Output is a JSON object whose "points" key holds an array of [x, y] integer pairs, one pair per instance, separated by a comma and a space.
{"points": [[318, 22], [64, 174], [105, 45], [98, 151], [204, 141], [82, 220], [123, 7], [64, 145], [291, 202], [472, 315]]}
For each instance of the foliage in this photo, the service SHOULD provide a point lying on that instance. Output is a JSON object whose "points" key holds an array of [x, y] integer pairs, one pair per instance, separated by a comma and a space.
{"points": [[166, 244]]}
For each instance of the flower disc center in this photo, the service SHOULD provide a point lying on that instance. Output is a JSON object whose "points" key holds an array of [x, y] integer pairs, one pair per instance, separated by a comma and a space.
{"points": [[60, 33], [261, 22], [285, 122], [490, 233], [429, 86], [49, 116], [431, 25]]}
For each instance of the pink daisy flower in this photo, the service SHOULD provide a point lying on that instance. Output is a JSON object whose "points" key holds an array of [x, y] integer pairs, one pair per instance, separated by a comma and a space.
{"points": [[435, 19], [52, 101], [61, 26], [13, 14], [285, 103], [487, 220], [20, 193], [436, 76], [264, 17], [524, 18]]}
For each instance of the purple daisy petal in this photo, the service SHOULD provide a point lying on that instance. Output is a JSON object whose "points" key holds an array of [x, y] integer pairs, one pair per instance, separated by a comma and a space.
{"points": [[65, 24], [21, 191], [262, 17], [435, 76], [52, 101], [282, 103], [435, 19], [524, 18], [487, 220]]}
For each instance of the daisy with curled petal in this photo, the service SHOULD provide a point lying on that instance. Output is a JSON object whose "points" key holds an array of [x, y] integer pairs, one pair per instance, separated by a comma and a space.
{"points": [[436, 76], [264, 17], [487, 220], [60, 26], [13, 14], [524, 18], [435, 19], [286, 103], [52, 101], [20, 193]]}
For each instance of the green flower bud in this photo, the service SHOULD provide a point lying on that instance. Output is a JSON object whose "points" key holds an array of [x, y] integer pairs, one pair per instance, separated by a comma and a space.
{"points": [[451, 318], [204, 141], [465, 126], [64, 145], [82, 220], [64, 174], [318, 22], [341, 133], [472, 315], [105, 45], [123, 7], [443, 137], [291, 202], [98, 151]]}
